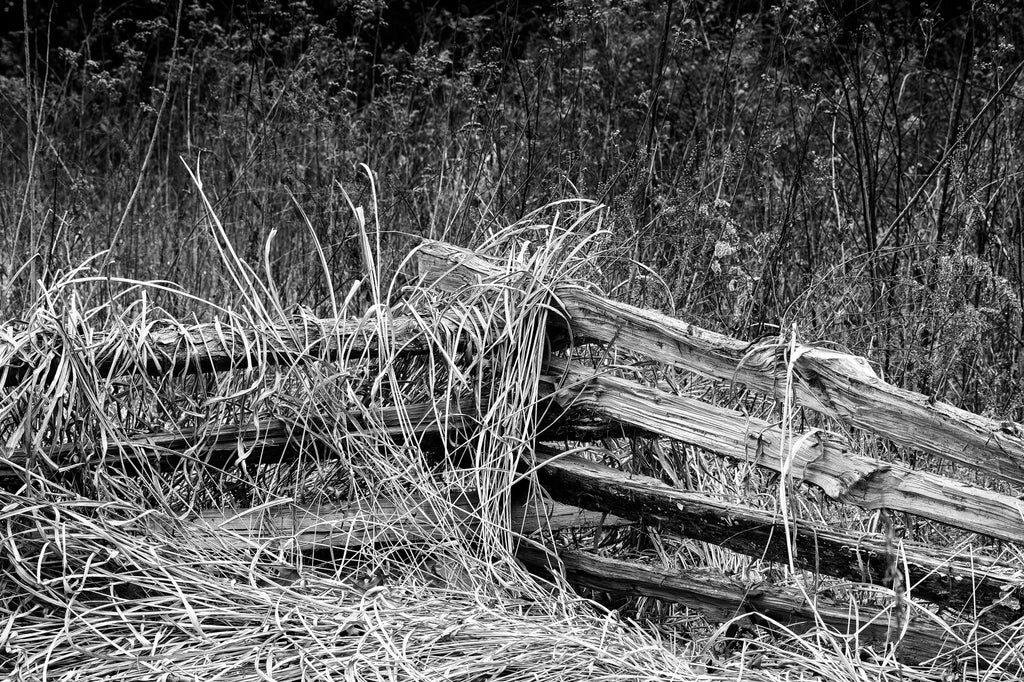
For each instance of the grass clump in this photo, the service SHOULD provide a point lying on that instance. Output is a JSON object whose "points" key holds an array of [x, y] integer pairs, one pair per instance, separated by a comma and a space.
{"points": [[108, 572]]}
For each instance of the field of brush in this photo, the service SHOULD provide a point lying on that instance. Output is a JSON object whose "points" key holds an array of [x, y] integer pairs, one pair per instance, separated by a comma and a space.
{"points": [[243, 438]]}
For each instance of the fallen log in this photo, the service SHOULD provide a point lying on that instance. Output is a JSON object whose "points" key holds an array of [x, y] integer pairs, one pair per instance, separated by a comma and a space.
{"points": [[975, 586], [836, 384], [822, 458], [722, 599]]}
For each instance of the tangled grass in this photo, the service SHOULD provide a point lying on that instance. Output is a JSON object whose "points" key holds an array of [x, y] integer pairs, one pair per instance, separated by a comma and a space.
{"points": [[106, 571], [105, 575], [111, 591]]}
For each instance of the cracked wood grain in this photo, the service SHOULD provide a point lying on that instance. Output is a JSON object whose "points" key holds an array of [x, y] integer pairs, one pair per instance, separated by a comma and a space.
{"points": [[836, 384], [822, 458]]}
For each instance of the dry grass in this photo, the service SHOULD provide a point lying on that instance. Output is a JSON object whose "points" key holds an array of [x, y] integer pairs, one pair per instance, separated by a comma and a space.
{"points": [[112, 591], [104, 575]]}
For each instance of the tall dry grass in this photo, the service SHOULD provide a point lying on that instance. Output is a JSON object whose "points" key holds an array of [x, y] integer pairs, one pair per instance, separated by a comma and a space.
{"points": [[107, 573], [760, 169]]}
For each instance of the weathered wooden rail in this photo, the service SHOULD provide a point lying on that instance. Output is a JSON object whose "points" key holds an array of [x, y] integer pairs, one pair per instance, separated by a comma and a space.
{"points": [[722, 600], [219, 346], [348, 528], [835, 384], [824, 459], [583, 403], [859, 557]]}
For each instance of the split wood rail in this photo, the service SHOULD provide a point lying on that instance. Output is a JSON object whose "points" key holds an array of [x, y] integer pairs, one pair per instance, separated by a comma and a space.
{"points": [[586, 403]]}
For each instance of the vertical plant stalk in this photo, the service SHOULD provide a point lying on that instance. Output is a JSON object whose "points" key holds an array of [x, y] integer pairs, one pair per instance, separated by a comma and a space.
{"points": [[31, 148], [152, 139], [950, 149]]}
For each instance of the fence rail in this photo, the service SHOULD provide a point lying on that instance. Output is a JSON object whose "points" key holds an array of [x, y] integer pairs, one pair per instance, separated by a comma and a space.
{"points": [[822, 458], [838, 385]]}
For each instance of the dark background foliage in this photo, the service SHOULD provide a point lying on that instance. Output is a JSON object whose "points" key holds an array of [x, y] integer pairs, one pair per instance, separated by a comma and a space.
{"points": [[854, 168]]}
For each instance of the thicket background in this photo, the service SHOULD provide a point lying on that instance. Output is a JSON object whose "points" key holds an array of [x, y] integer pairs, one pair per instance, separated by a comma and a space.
{"points": [[851, 167]]}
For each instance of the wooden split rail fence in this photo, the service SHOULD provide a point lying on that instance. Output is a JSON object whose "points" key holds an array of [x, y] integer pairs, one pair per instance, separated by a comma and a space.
{"points": [[582, 492]]}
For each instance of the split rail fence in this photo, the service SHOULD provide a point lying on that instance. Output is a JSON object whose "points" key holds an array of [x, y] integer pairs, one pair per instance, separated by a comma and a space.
{"points": [[583, 403]]}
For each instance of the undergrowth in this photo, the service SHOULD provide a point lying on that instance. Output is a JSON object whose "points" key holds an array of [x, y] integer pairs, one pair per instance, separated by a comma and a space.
{"points": [[852, 171], [362, 549], [114, 567], [856, 175]]}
